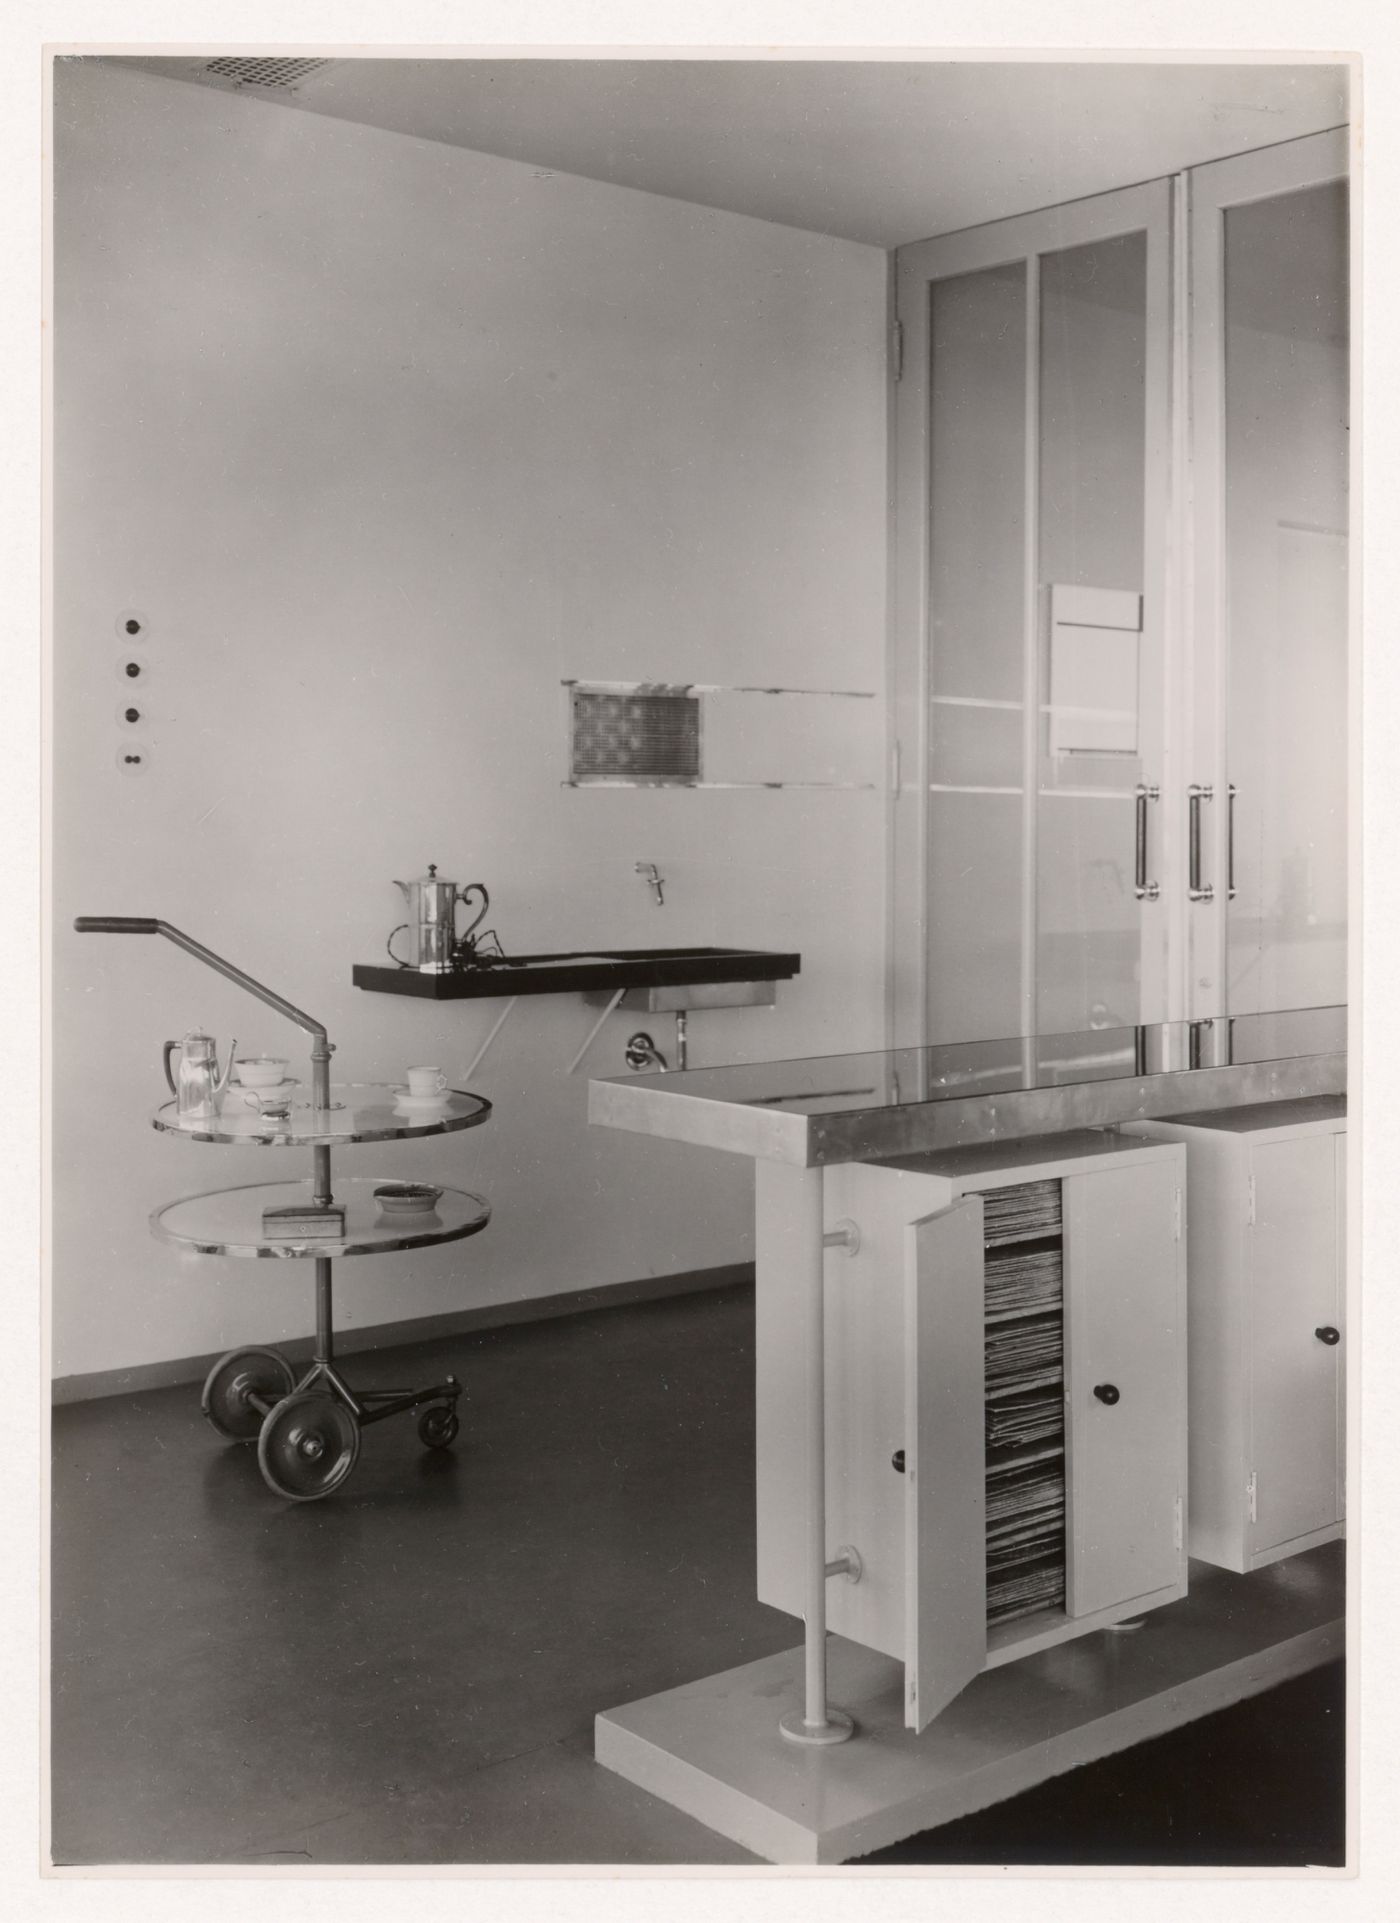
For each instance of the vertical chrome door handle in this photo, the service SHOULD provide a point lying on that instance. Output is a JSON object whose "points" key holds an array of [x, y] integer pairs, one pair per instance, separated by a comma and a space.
{"points": [[1144, 889], [1196, 794], [1230, 842]]}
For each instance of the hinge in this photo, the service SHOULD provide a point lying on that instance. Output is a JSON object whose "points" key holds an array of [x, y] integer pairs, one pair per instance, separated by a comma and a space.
{"points": [[1251, 1490], [897, 349], [1251, 1202], [1177, 1524]]}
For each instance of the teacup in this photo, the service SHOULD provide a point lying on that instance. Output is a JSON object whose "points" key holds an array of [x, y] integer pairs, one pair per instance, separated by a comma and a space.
{"points": [[261, 1071], [426, 1081]]}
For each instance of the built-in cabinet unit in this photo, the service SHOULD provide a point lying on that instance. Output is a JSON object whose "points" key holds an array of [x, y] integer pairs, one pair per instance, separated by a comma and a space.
{"points": [[1006, 1398], [1120, 588], [1266, 1268]]}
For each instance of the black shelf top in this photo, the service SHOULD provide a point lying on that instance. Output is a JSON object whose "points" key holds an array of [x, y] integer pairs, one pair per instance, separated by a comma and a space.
{"points": [[584, 969]]}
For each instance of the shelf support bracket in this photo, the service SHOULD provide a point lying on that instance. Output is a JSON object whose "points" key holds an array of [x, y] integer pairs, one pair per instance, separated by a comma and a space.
{"points": [[594, 1032], [480, 1056]]}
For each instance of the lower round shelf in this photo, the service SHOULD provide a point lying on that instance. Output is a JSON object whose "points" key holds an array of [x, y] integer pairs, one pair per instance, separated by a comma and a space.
{"points": [[229, 1221]]}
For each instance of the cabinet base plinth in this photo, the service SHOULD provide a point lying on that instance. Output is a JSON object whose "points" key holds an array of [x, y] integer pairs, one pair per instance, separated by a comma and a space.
{"points": [[714, 1749]]}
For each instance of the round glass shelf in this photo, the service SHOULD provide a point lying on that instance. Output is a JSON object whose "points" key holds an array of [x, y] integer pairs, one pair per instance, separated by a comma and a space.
{"points": [[359, 1112], [229, 1221]]}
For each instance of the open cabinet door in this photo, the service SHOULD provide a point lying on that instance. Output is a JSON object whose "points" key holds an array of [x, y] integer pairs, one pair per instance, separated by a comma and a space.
{"points": [[944, 1459]]}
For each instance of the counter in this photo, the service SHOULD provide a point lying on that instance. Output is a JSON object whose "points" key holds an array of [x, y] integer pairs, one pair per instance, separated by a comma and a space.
{"points": [[747, 1751]]}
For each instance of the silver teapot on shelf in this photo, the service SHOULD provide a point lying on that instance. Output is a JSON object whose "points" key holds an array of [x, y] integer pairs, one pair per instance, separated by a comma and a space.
{"points": [[198, 1082], [434, 946]]}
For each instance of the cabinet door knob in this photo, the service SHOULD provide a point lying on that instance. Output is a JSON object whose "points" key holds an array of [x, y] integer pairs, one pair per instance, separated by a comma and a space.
{"points": [[897, 1461], [1328, 1335], [1106, 1392]]}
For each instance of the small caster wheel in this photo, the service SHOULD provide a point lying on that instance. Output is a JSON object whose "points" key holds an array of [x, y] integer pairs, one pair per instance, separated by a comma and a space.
{"points": [[233, 1380], [438, 1426], [307, 1446]]}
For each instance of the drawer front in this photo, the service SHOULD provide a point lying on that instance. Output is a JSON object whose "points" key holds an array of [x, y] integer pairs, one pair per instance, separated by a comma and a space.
{"points": [[1125, 1382], [1296, 1375]]}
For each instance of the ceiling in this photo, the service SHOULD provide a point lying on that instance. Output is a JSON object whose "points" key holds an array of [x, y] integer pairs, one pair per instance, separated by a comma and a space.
{"points": [[878, 151]]}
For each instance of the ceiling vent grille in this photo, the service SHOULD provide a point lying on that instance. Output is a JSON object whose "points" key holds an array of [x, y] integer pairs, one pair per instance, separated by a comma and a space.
{"points": [[264, 71]]}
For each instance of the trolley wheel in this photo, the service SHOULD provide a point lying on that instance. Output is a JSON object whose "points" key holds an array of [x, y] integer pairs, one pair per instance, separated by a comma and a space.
{"points": [[236, 1376], [438, 1426], [308, 1445]]}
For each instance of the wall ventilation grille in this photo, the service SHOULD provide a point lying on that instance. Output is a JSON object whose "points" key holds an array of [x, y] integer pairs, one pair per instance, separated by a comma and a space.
{"points": [[267, 71], [635, 737]]}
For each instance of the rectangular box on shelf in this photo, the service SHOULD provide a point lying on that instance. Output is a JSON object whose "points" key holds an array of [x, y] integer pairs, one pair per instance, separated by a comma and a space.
{"points": [[304, 1219]]}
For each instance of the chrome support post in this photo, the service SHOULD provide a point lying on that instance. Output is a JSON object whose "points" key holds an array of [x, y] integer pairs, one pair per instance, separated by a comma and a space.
{"points": [[816, 1723], [324, 1338], [321, 1052], [321, 1180]]}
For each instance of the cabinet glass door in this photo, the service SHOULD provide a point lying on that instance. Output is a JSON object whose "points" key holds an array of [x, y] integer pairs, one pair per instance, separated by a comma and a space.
{"points": [[1271, 448], [1096, 739], [1030, 588]]}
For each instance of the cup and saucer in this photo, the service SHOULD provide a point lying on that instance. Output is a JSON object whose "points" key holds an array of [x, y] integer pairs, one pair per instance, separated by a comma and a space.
{"points": [[425, 1093], [261, 1075]]}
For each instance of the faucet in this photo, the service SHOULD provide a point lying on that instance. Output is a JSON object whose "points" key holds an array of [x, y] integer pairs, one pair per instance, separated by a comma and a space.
{"points": [[653, 879], [642, 1052]]}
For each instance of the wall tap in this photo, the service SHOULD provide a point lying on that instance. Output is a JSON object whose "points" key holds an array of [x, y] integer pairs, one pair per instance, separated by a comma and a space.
{"points": [[654, 880], [642, 1052]]}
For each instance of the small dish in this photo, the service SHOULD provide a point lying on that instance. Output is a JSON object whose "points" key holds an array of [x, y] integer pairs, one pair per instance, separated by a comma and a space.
{"points": [[407, 1198], [421, 1104], [237, 1092], [260, 1071]]}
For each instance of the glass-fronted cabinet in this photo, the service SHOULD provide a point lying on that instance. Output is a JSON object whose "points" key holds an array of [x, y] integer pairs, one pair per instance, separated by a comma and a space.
{"points": [[1120, 607]]}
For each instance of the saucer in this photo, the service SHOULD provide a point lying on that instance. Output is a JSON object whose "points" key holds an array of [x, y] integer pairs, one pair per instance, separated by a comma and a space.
{"points": [[270, 1090], [422, 1104]]}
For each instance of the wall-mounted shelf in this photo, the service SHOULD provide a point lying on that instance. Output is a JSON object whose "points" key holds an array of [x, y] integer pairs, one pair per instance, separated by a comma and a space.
{"points": [[582, 970]]}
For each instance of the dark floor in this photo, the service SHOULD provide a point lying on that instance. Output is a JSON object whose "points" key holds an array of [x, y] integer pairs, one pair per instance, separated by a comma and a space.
{"points": [[408, 1671]]}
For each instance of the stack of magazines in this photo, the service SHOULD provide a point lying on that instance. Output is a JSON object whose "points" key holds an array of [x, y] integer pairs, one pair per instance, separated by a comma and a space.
{"points": [[1024, 1361], [1017, 1214], [1024, 1282]]}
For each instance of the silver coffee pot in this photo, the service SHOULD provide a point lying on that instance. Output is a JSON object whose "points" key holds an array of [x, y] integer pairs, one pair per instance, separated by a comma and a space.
{"points": [[198, 1081], [434, 945]]}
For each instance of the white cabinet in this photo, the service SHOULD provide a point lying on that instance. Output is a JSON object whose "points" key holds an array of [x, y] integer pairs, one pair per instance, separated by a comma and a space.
{"points": [[1265, 1266], [1006, 1399]]}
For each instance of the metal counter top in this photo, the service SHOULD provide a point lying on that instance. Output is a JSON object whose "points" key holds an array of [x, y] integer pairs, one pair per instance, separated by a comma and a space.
{"points": [[866, 1107]]}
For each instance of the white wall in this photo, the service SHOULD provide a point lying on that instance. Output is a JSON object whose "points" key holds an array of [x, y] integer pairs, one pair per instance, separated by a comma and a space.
{"points": [[384, 438]]}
